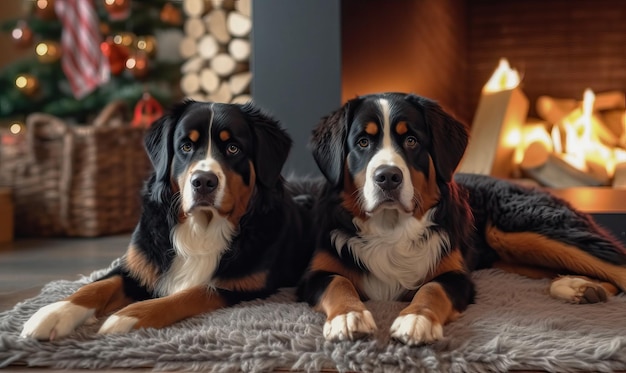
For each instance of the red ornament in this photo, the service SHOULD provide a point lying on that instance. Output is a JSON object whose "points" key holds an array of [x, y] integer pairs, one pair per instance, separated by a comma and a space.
{"points": [[116, 54], [171, 15], [147, 111], [117, 9]]}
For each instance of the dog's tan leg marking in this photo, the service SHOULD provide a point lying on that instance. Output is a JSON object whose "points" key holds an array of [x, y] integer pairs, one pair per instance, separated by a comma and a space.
{"points": [[253, 282], [323, 261], [534, 249], [347, 318], [453, 262], [165, 311], [422, 321], [525, 270], [61, 318]]}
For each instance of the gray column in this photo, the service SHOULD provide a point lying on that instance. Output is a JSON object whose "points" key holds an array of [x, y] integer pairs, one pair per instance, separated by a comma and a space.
{"points": [[296, 66]]}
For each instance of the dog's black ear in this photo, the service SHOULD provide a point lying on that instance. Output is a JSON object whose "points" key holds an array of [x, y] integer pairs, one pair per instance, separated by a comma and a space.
{"points": [[160, 148], [328, 142], [449, 136], [271, 144]]}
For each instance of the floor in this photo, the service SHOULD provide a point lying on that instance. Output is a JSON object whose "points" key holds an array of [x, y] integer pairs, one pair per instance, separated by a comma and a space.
{"points": [[28, 264]]}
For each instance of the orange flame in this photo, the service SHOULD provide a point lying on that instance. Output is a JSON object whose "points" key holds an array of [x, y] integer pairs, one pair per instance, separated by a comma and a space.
{"points": [[582, 146], [503, 78]]}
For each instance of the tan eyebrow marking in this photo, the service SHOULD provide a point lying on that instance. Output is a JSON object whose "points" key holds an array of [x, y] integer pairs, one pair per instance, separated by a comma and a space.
{"points": [[402, 128], [371, 128], [194, 135], [224, 135]]}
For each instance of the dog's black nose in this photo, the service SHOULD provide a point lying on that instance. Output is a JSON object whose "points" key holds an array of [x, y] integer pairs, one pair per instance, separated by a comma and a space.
{"points": [[204, 182], [388, 177]]}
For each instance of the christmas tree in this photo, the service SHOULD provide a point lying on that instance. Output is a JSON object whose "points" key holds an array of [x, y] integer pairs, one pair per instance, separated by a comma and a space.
{"points": [[88, 53]]}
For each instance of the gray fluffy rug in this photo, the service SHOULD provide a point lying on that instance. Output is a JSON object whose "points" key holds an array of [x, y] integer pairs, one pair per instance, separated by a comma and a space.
{"points": [[513, 325]]}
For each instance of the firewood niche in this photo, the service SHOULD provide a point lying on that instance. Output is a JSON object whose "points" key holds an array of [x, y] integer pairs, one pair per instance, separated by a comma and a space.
{"points": [[574, 142], [217, 49]]}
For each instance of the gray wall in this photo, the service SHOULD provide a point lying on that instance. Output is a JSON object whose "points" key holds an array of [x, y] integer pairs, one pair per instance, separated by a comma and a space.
{"points": [[296, 67]]}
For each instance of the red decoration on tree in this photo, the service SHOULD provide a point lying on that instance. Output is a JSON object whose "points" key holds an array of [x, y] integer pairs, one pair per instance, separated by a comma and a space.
{"points": [[147, 111], [116, 54], [171, 14]]}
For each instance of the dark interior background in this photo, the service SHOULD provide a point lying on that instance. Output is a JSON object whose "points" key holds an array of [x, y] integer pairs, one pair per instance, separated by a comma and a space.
{"points": [[310, 56]]}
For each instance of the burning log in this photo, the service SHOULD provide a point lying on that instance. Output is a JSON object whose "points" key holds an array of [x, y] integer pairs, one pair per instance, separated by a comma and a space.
{"points": [[501, 112], [615, 120], [550, 170], [619, 176], [598, 128], [555, 109]]}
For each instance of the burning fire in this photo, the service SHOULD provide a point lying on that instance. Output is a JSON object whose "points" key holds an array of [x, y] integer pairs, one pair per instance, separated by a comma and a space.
{"points": [[503, 78], [576, 141]]}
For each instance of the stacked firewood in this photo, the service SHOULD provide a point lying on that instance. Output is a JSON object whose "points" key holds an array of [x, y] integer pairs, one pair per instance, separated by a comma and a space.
{"points": [[217, 49]]}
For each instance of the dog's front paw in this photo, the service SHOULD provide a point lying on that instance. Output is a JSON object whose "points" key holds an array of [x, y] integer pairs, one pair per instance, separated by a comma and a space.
{"points": [[350, 326], [577, 290], [118, 324], [56, 320], [414, 329]]}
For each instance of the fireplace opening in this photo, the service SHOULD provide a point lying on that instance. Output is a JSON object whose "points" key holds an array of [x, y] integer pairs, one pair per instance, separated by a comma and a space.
{"points": [[448, 49]]}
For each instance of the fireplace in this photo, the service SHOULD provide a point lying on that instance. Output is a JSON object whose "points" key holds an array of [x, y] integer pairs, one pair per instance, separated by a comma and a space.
{"points": [[310, 56]]}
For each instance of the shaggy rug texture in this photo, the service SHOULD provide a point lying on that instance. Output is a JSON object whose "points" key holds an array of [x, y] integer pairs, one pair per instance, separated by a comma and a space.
{"points": [[513, 325]]}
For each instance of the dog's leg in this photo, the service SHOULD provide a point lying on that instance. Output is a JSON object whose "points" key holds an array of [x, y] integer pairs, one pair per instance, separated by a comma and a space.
{"points": [[573, 289], [162, 312], [435, 303], [332, 289], [581, 289], [438, 301], [532, 249], [347, 318], [92, 300]]}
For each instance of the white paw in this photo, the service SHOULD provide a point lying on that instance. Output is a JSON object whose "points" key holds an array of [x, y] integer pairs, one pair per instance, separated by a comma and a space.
{"points": [[577, 290], [56, 320], [349, 326], [415, 330], [117, 324]]}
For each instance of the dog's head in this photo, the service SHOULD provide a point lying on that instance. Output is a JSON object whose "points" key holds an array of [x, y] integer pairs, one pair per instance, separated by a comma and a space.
{"points": [[389, 151], [215, 155]]}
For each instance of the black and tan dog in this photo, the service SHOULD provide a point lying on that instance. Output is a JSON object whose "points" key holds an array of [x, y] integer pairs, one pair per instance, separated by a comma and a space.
{"points": [[218, 226], [397, 224]]}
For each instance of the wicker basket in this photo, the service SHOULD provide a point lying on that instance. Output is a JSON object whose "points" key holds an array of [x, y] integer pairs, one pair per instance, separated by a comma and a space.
{"points": [[79, 180]]}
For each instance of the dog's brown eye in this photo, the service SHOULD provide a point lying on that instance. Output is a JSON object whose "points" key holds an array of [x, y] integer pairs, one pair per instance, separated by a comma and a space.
{"points": [[363, 142], [410, 142], [232, 149], [186, 147]]}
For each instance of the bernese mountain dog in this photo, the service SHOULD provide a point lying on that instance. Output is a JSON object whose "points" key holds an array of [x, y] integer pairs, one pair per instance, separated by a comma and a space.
{"points": [[396, 223], [219, 226]]}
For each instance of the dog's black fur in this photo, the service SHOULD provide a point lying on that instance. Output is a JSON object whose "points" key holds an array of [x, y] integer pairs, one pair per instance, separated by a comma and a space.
{"points": [[457, 222], [216, 180]]}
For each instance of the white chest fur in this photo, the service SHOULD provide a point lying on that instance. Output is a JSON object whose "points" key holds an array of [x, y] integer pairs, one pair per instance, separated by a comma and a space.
{"points": [[398, 250], [199, 247]]}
